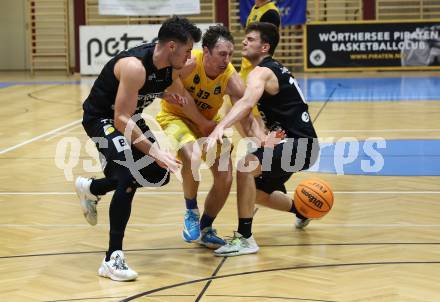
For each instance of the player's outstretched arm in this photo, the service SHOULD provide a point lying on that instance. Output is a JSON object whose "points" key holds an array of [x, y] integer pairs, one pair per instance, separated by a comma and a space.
{"points": [[235, 90], [256, 82]]}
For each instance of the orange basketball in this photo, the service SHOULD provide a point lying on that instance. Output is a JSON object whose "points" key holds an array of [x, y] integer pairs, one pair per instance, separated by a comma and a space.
{"points": [[313, 198]]}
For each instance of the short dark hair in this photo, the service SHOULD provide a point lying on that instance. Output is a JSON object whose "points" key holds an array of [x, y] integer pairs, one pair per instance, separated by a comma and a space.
{"points": [[214, 33], [180, 29], [268, 34]]}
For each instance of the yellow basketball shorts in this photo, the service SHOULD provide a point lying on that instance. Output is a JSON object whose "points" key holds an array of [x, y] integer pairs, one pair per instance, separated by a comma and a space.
{"points": [[182, 131]]}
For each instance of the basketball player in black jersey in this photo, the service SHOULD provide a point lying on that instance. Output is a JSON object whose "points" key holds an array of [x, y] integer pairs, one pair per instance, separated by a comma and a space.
{"points": [[289, 144], [128, 83]]}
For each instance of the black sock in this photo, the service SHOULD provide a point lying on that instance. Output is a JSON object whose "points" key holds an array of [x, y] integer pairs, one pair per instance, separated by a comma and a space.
{"points": [[245, 227], [295, 211], [206, 221], [191, 203], [119, 213], [115, 243], [101, 186]]}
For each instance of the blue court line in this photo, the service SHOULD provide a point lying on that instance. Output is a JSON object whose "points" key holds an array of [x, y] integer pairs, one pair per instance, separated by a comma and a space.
{"points": [[8, 84], [380, 157], [3, 85], [403, 88], [371, 89]]}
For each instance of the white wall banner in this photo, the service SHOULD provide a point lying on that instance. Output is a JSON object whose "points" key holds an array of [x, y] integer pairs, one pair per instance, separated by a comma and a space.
{"points": [[149, 7], [98, 44]]}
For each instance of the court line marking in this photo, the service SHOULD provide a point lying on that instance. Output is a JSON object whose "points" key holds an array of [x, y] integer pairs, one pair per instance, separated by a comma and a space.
{"points": [[30, 83], [219, 266], [161, 225], [378, 130], [93, 298], [233, 192], [279, 269], [259, 297], [199, 247], [65, 131], [26, 142], [117, 297]]}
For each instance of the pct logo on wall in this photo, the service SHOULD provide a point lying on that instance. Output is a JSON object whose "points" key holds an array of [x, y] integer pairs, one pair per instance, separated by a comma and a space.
{"points": [[98, 44]]}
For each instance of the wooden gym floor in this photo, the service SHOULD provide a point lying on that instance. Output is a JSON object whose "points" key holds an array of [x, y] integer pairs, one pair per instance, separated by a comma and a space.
{"points": [[381, 242]]}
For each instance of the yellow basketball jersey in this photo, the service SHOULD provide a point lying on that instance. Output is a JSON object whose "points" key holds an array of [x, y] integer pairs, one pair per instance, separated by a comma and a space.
{"points": [[256, 13], [207, 93], [254, 16]]}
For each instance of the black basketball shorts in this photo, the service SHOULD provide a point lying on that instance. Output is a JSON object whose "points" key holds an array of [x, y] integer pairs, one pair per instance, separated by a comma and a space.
{"points": [[279, 163], [116, 152]]}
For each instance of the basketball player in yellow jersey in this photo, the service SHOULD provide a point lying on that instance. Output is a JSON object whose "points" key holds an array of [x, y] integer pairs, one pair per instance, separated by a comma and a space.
{"points": [[207, 76], [262, 11]]}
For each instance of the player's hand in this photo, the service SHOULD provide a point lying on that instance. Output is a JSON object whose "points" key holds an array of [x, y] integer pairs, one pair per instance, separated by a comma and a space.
{"points": [[166, 160], [174, 98], [273, 138], [214, 137]]}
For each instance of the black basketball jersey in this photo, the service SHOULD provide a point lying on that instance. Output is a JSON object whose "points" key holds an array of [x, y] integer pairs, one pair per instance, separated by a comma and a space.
{"points": [[286, 110], [101, 101]]}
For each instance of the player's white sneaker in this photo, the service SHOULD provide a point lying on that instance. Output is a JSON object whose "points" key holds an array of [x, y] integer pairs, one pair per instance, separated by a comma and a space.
{"points": [[301, 223], [87, 200], [116, 268], [238, 246]]}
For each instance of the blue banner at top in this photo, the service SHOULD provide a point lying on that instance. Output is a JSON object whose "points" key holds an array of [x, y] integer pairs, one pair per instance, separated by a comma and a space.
{"points": [[293, 12]]}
